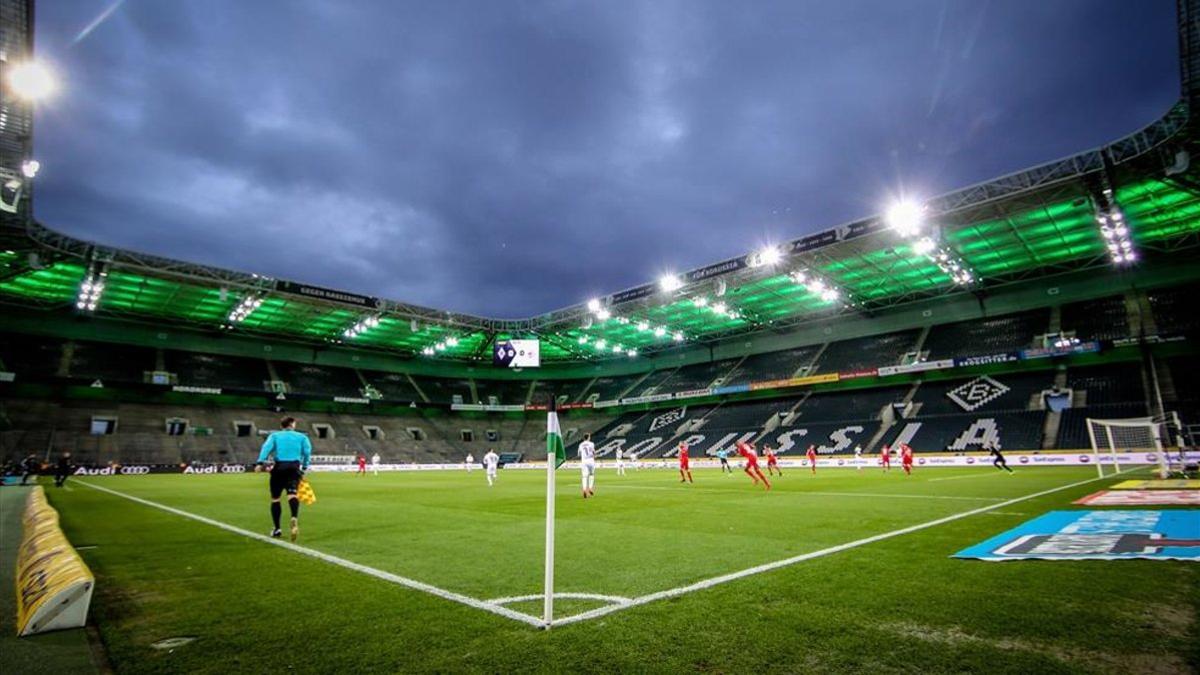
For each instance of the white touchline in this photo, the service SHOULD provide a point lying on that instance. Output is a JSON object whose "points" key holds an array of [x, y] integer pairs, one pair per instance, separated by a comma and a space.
{"points": [[334, 560], [767, 567]]}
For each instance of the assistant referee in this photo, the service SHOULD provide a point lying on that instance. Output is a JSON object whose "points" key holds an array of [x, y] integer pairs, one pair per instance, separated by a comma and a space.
{"points": [[292, 451]]}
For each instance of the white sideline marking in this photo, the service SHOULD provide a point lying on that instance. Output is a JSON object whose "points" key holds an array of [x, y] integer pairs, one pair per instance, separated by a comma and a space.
{"points": [[334, 560], [767, 567]]}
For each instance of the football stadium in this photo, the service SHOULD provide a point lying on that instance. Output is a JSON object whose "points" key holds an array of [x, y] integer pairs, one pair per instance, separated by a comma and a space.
{"points": [[956, 436]]}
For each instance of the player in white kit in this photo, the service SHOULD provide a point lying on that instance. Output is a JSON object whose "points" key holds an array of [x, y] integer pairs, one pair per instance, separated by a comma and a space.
{"points": [[858, 457], [375, 463], [470, 462], [620, 462], [490, 461], [587, 465]]}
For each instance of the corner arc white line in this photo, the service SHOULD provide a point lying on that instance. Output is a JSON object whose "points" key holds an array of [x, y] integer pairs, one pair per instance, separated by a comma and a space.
{"points": [[334, 560], [767, 567], [612, 599]]}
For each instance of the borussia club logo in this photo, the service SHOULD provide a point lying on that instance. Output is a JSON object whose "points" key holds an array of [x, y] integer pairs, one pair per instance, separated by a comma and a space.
{"points": [[667, 418], [977, 393]]}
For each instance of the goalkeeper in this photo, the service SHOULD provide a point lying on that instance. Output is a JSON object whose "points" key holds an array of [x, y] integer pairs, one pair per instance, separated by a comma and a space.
{"points": [[292, 451]]}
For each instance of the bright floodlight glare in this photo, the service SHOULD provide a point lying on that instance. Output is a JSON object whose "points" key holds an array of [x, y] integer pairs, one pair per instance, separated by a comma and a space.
{"points": [[30, 167], [632, 352], [768, 256], [660, 331], [669, 282], [32, 81], [593, 305], [678, 337], [924, 246], [700, 301], [643, 326], [601, 344], [905, 217], [583, 339], [604, 315]]}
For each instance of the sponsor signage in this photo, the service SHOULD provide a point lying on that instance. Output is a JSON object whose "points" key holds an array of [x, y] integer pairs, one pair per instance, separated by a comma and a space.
{"points": [[795, 381], [1047, 352], [716, 269], [732, 389], [561, 406], [7, 377], [646, 399], [351, 399], [327, 294], [1175, 484], [917, 367], [693, 393], [1004, 357], [54, 585], [632, 294], [1097, 535], [185, 389], [869, 372], [1142, 498], [812, 241]]}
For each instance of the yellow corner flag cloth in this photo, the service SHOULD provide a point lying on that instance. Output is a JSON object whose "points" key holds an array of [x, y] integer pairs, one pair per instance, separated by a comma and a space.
{"points": [[305, 492]]}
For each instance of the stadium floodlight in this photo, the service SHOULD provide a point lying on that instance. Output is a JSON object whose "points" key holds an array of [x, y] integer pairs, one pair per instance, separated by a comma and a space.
{"points": [[32, 81], [604, 315], [601, 343], [678, 337], [90, 291], [669, 283], [631, 352], [660, 331], [643, 326], [583, 339], [924, 246], [593, 305], [364, 324], [720, 308], [767, 256], [244, 309], [30, 168], [700, 301], [451, 341], [428, 351], [441, 347], [906, 218]]}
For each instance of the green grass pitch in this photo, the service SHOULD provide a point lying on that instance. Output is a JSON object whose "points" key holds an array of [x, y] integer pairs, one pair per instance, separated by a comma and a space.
{"points": [[900, 604]]}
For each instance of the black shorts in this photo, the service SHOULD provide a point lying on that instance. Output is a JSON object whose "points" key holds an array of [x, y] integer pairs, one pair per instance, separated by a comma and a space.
{"points": [[285, 477], [724, 460]]}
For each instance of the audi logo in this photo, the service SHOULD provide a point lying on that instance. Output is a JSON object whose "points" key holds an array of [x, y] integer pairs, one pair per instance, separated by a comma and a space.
{"points": [[1084, 459], [1023, 459], [233, 468], [134, 470]]}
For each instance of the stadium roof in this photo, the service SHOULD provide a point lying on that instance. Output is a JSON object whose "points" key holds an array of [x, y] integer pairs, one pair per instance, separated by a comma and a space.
{"points": [[1036, 223]]}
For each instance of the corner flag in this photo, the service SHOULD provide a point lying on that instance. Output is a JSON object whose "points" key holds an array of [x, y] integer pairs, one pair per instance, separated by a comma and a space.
{"points": [[554, 441], [556, 454]]}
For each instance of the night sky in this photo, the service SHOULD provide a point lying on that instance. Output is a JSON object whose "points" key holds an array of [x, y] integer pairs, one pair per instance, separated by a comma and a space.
{"points": [[513, 157]]}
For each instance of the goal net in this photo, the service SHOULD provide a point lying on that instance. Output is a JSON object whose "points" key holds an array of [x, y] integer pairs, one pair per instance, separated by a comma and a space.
{"points": [[1137, 436]]}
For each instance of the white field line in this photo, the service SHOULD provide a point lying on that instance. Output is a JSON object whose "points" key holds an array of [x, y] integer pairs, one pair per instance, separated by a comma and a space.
{"points": [[805, 493], [615, 599], [767, 567], [334, 560]]}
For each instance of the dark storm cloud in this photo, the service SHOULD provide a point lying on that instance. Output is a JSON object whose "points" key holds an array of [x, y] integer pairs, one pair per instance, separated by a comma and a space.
{"points": [[508, 158]]}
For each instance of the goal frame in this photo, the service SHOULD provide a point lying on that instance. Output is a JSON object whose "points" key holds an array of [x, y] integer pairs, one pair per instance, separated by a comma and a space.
{"points": [[1156, 427]]}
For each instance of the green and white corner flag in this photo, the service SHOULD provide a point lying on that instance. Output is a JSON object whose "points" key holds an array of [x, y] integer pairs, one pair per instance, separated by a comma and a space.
{"points": [[556, 454], [554, 441]]}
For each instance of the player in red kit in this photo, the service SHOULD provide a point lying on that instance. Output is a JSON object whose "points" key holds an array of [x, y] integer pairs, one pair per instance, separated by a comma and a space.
{"points": [[362, 464], [772, 461], [685, 470], [747, 452], [812, 458], [885, 457], [906, 458]]}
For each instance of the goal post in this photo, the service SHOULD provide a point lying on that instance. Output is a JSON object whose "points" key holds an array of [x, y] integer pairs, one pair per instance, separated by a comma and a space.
{"points": [[1142, 435]]}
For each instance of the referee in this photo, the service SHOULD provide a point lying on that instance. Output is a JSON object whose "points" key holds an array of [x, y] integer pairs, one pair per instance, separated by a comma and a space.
{"points": [[292, 451]]}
